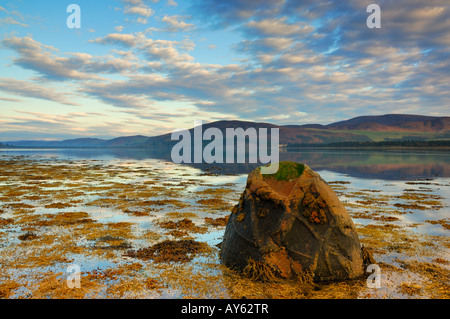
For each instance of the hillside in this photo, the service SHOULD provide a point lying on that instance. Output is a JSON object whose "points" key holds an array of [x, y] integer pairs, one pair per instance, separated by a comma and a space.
{"points": [[127, 141], [389, 127], [287, 135], [394, 122]]}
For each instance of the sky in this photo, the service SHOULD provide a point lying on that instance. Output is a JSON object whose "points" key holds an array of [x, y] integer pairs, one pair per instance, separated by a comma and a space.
{"points": [[148, 67]]}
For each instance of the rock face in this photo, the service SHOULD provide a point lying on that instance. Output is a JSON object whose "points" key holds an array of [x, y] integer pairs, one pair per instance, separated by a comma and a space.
{"points": [[293, 223]]}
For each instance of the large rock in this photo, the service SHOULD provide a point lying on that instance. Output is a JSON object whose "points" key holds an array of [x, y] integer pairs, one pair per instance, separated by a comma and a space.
{"points": [[292, 223]]}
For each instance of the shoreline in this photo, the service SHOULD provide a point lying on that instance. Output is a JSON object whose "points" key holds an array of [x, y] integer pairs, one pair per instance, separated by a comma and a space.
{"points": [[99, 214]]}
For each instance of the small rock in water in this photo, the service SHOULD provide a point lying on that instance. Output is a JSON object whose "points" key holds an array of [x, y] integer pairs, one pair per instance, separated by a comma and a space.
{"points": [[292, 223]]}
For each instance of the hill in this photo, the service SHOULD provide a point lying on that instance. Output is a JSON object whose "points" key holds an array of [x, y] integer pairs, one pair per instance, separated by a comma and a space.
{"points": [[361, 129], [78, 142], [394, 122], [127, 141], [391, 127]]}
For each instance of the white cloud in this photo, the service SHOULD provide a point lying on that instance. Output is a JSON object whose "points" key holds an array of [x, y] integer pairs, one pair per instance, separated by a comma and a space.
{"points": [[28, 89], [143, 11], [128, 40], [278, 44], [290, 67], [141, 20], [8, 99], [38, 57], [175, 23], [278, 26], [166, 50], [10, 20]]}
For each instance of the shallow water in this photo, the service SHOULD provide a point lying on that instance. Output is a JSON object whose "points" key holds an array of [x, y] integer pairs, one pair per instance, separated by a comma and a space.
{"points": [[400, 209]]}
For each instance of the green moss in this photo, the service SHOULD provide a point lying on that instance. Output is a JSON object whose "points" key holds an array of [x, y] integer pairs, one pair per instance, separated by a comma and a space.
{"points": [[287, 171]]}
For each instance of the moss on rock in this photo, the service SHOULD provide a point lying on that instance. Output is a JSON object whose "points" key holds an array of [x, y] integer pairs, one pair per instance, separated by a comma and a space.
{"points": [[287, 171]]}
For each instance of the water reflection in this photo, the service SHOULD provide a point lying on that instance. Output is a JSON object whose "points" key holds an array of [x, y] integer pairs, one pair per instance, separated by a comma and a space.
{"points": [[380, 164]]}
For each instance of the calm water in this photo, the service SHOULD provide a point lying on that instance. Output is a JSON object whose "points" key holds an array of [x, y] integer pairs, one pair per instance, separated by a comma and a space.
{"points": [[390, 173], [368, 164]]}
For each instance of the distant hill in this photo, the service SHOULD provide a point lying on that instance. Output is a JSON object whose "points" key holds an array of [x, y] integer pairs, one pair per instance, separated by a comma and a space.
{"points": [[288, 135], [361, 129], [221, 125], [127, 141], [78, 142], [394, 122]]}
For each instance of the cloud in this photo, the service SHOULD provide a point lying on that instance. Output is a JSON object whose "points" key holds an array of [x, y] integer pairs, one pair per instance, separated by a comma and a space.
{"points": [[292, 61], [278, 44], [264, 48], [40, 125], [73, 66], [46, 118], [141, 20], [166, 50], [38, 57], [119, 99], [222, 13], [28, 89], [278, 26], [138, 8], [175, 23], [127, 40], [7, 99], [323, 57], [10, 20], [143, 11], [89, 64]]}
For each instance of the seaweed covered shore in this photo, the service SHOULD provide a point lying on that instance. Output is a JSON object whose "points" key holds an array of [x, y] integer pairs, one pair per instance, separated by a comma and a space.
{"points": [[150, 229]]}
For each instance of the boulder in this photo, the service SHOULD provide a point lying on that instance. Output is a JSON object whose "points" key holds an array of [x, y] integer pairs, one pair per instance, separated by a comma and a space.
{"points": [[292, 223]]}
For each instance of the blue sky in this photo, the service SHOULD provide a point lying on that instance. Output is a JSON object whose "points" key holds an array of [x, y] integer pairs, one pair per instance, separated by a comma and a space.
{"points": [[148, 67]]}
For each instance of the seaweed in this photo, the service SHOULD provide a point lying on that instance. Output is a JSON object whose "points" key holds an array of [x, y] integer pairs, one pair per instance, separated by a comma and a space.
{"points": [[258, 270], [220, 221], [29, 235], [180, 251], [443, 222], [110, 242], [182, 225], [40, 235]]}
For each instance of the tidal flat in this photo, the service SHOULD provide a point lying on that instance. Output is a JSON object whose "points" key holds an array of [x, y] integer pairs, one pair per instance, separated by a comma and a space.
{"points": [[151, 229]]}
